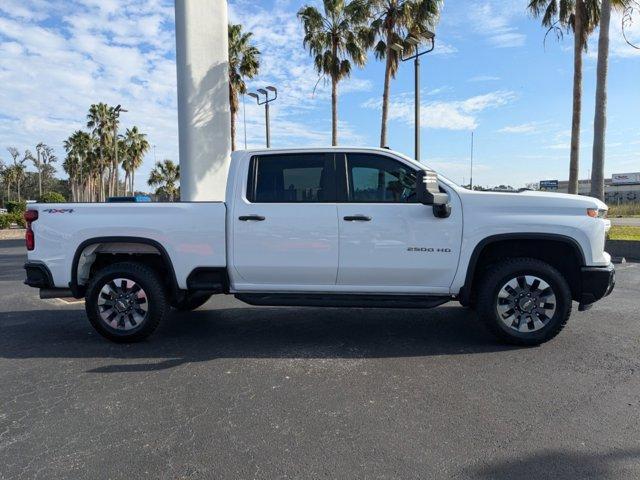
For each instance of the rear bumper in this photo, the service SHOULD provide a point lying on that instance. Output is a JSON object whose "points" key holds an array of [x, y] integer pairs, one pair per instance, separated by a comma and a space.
{"points": [[597, 282], [38, 275]]}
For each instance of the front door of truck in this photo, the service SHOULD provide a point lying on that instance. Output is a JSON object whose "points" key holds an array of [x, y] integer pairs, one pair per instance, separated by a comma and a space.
{"points": [[388, 242], [286, 227]]}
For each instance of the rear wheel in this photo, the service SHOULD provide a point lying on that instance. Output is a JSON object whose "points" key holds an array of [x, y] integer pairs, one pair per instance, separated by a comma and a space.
{"points": [[125, 302], [524, 301]]}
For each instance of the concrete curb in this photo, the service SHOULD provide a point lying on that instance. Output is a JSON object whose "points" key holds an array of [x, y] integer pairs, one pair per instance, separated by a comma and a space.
{"points": [[621, 249]]}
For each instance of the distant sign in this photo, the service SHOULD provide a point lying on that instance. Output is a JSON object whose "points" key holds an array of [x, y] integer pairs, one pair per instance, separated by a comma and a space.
{"points": [[548, 184], [625, 178]]}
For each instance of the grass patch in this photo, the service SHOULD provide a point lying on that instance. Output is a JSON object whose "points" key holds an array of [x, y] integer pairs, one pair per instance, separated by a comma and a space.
{"points": [[625, 210], [624, 233]]}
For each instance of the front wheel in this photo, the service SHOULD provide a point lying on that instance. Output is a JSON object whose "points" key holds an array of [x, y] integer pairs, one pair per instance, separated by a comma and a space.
{"points": [[524, 301], [125, 302]]}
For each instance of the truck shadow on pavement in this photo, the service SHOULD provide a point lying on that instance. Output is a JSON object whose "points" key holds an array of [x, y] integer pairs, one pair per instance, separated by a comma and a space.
{"points": [[616, 463], [206, 335]]}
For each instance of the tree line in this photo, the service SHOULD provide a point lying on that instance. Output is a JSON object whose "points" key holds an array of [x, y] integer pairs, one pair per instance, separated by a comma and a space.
{"points": [[341, 33], [95, 157], [337, 36], [17, 183]]}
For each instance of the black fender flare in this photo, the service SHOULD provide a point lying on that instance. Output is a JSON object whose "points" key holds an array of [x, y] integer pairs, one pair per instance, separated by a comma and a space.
{"points": [[78, 290], [465, 292]]}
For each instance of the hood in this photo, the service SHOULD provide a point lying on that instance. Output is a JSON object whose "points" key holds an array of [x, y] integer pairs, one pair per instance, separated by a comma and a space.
{"points": [[536, 199]]}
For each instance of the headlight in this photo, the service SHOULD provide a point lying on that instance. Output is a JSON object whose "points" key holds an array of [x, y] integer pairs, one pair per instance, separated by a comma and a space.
{"points": [[597, 213]]}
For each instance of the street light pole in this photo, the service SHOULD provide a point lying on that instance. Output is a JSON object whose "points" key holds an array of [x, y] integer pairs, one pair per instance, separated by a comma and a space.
{"points": [[266, 103], [413, 43], [117, 111], [471, 181], [416, 66]]}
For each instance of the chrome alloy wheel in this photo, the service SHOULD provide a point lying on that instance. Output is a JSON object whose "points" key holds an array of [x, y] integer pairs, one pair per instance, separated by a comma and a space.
{"points": [[526, 303], [123, 304]]}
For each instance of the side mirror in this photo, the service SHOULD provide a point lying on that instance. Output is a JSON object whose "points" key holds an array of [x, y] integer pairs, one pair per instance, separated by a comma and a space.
{"points": [[428, 193]]}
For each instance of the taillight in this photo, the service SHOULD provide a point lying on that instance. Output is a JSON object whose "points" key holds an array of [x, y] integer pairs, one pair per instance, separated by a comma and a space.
{"points": [[30, 239]]}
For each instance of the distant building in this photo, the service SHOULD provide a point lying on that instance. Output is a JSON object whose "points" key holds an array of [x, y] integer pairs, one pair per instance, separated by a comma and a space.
{"points": [[621, 188]]}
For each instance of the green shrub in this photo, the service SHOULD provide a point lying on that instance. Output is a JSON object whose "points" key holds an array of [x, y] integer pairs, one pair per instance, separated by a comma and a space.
{"points": [[5, 221], [18, 219], [624, 210], [13, 207], [52, 197]]}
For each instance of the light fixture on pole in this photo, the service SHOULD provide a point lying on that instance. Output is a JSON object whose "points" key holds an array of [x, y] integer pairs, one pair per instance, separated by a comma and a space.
{"points": [[412, 44], [267, 100], [117, 111]]}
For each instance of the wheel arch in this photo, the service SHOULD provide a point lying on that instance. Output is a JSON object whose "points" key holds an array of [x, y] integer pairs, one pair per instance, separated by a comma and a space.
{"points": [[78, 289], [534, 245]]}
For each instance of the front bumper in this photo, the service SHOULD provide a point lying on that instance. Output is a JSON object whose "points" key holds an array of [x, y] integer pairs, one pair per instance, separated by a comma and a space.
{"points": [[597, 282]]}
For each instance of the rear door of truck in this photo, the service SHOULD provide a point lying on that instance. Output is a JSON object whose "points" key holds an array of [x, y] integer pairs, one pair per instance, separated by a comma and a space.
{"points": [[284, 221]]}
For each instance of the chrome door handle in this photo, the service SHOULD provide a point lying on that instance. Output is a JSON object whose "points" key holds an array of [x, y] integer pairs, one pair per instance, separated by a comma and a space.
{"points": [[251, 218], [358, 218]]}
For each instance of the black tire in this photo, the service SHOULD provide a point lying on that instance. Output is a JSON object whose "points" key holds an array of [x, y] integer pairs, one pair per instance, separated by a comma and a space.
{"points": [[155, 301], [191, 301], [491, 285]]}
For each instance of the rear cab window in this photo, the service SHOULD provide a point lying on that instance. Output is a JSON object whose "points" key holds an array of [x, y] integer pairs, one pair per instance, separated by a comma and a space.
{"points": [[292, 178]]}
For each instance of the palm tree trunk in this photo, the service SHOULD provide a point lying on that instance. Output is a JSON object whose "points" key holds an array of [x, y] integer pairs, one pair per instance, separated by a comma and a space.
{"points": [[600, 120], [233, 131], [133, 172], [385, 97], [574, 161], [334, 111]]}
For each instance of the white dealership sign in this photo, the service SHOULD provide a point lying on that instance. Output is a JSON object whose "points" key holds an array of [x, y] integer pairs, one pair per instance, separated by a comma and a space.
{"points": [[625, 178]]}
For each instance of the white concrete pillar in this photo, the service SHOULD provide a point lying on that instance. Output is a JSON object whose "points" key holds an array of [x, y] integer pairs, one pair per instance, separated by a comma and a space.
{"points": [[204, 116]]}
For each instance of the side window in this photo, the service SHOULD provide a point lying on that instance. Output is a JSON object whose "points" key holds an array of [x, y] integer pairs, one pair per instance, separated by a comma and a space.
{"points": [[292, 178], [377, 179]]}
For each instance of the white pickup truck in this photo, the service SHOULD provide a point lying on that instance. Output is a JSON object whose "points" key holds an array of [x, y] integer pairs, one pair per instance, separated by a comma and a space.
{"points": [[332, 227]]}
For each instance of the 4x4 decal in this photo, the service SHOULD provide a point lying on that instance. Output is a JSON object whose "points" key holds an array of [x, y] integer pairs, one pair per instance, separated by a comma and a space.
{"points": [[59, 210]]}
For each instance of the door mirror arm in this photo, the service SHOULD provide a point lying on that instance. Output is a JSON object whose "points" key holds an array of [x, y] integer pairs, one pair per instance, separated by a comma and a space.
{"points": [[428, 193]]}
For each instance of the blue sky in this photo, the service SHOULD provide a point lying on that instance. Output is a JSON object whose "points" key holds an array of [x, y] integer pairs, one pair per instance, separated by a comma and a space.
{"points": [[489, 73]]}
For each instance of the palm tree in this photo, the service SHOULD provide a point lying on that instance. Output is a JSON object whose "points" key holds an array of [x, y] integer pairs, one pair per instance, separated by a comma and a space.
{"points": [[165, 176], [580, 16], [18, 168], [394, 22], [79, 147], [7, 177], [101, 120], [136, 147], [244, 63], [334, 40], [600, 120]]}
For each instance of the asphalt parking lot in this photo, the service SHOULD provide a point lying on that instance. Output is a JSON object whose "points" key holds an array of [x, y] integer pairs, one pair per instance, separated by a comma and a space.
{"points": [[232, 391]]}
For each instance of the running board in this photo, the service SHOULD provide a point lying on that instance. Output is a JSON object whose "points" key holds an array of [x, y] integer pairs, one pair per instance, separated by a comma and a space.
{"points": [[341, 300]]}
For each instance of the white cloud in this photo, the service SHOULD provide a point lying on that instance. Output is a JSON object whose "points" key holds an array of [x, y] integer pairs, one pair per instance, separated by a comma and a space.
{"points": [[449, 115], [531, 127], [484, 78], [618, 46], [60, 56], [494, 20]]}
